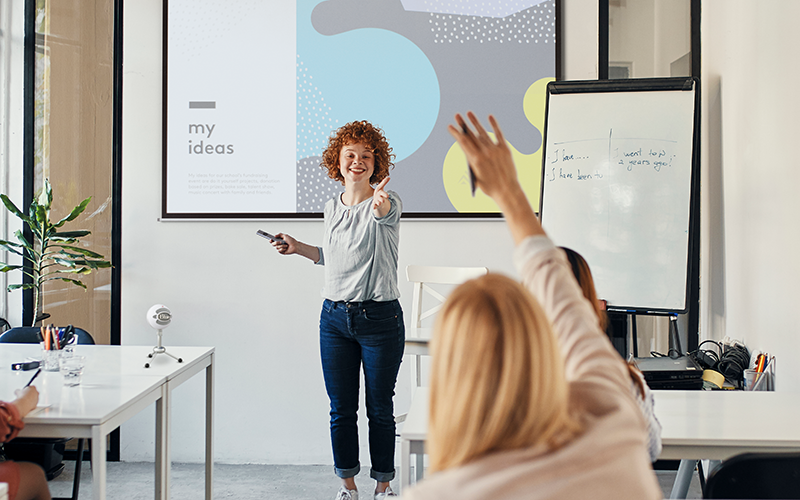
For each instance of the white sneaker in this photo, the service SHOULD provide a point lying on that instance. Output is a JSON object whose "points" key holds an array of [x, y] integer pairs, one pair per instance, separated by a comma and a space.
{"points": [[386, 494], [345, 494]]}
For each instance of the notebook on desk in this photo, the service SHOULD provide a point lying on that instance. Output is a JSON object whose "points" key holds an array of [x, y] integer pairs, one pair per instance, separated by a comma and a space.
{"points": [[671, 373]]}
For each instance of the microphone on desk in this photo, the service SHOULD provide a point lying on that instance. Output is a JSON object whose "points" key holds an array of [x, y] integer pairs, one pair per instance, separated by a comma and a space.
{"points": [[159, 317]]}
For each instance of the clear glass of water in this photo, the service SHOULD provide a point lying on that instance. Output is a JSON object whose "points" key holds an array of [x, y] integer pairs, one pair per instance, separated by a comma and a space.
{"points": [[72, 369]]}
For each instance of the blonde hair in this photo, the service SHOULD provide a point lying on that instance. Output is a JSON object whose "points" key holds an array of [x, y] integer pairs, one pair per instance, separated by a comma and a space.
{"points": [[497, 375]]}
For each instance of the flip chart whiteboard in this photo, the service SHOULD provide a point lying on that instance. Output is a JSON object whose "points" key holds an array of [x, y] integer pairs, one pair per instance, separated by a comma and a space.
{"points": [[618, 181]]}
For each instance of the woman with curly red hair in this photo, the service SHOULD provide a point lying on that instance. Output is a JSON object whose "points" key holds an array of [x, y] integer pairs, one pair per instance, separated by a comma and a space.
{"points": [[361, 322]]}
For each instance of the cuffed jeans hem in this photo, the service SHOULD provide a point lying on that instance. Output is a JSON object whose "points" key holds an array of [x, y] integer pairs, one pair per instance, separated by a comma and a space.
{"points": [[345, 473], [381, 477]]}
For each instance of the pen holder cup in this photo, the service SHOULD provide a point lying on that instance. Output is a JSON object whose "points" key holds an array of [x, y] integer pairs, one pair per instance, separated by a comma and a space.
{"points": [[753, 381], [50, 359]]}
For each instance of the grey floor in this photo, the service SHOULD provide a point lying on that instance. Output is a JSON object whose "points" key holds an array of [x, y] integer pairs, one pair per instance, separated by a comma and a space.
{"points": [[134, 481]]}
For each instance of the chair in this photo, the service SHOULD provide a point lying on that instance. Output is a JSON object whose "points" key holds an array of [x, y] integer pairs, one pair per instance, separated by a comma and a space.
{"points": [[422, 278], [756, 475], [21, 448]]}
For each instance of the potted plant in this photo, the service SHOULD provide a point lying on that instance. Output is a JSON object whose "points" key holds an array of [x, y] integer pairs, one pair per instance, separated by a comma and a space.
{"points": [[52, 254]]}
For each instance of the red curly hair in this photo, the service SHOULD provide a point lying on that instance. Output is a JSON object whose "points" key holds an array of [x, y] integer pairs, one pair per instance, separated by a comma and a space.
{"points": [[358, 132]]}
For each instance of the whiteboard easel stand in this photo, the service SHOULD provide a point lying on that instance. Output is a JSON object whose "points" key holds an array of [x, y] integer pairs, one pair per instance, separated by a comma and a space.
{"points": [[674, 335]]}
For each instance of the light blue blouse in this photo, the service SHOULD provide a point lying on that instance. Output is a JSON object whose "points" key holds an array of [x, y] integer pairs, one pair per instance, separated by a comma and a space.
{"points": [[359, 251]]}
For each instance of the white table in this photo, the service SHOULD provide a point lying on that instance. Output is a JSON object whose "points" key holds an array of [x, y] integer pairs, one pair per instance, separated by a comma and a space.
{"points": [[115, 387], [417, 340], [695, 425], [720, 424], [717, 425]]}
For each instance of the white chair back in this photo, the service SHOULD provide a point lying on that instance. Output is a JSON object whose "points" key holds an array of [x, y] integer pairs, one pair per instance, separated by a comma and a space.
{"points": [[423, 276]]}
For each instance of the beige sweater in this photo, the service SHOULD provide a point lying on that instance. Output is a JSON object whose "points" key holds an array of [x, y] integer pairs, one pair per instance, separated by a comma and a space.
{"points": [[609, 459]]}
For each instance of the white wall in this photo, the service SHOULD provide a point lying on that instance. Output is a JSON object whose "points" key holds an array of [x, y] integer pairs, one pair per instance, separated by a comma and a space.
{"points": [[750, 177], [229, 289], [579, 39]]}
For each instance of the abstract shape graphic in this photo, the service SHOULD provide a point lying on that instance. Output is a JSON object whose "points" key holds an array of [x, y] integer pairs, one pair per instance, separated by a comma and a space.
{"points": [[455, 174], [408, 66], [495, 8]]}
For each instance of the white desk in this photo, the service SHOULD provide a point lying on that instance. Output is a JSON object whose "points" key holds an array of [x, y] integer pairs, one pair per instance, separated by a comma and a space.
{"points": [[695, 424], [720, 424], [417, 340], [115, 387]]}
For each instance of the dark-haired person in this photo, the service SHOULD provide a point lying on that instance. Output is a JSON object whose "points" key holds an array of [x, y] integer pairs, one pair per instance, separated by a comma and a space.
{"points": [[361, 322], [639, 388], [26, 481]]}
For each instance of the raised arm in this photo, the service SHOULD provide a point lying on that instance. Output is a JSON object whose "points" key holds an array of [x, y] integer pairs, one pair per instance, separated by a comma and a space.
{"points": [[546, 273], [496, 175]]}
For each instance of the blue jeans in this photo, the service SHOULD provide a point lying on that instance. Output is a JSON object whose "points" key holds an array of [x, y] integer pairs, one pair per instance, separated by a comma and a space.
{"points": [[351, 334]]}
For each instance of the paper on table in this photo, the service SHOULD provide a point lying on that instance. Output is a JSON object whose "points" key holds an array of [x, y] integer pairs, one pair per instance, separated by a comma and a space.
{"points": [[37, 410]]}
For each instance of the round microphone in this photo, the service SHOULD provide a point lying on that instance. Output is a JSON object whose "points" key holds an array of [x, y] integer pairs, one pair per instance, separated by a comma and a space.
{"points": [[159, 316]]}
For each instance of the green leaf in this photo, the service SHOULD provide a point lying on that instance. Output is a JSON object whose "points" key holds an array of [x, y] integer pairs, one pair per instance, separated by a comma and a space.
{"points": [[69, 235], [98, 264], [80, 250], [42, 219], [7, 267], [11, 246], [65, 262], [75, 212], [14, 210], [24, 242], [64, 255], [74, 282], [58, 239], [24, 286], [45, 198], [71, 263], [72, 270]]}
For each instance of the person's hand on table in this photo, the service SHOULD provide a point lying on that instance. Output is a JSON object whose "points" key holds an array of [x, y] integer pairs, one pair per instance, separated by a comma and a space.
{"points": [[26, 401]]}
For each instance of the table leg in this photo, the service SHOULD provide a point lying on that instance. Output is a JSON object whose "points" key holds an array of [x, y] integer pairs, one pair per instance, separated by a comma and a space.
{"points": [[680, 488], [405, 464], [98, 464], [210, 428], [165, 444], [163, 414], [159, 459]]}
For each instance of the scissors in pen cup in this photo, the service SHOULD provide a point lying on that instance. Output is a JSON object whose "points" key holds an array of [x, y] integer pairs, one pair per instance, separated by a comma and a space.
{"points": [[68, 335]]}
